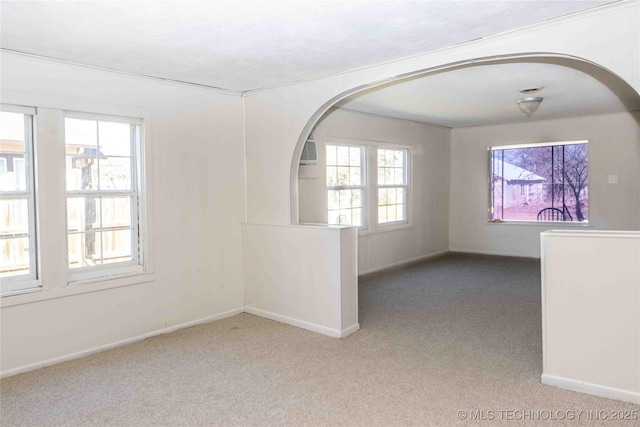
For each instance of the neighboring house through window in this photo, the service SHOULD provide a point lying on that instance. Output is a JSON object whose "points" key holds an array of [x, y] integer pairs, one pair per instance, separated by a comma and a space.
{"points": [[540, 182]]}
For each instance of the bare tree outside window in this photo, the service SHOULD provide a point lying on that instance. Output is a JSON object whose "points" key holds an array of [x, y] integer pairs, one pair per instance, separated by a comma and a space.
{"points": [[549, 182]]}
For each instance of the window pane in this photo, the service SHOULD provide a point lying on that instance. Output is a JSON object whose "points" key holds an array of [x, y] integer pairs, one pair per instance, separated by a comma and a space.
{"points": [[398, 176], [356, 198], [382, 214], [116, 246], [383, 198], [345, 198], [355, 178], [13, 170], [82, 171], [546, 183], [81, 133], [343, 175], [401, 196], [332, 176], [17, 215], [398, 157], [354, 156], [83, 213], [333, 199], [76, 251], [115, 174], [11, 127], [115, 139], [116, 212], [343, 156], [331, 155], [345, 207], [15, 256]]}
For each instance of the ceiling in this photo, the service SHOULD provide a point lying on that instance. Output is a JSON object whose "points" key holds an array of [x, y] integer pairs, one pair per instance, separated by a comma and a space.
{"points": [[249, 45], [486, 94]]}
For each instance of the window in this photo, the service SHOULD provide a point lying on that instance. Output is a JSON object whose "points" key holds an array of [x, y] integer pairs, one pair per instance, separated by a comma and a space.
{"points": [[540, 182], [349, 200], [102, 195], [392, 185], [18, 262], [76, 196], [345, 184]]}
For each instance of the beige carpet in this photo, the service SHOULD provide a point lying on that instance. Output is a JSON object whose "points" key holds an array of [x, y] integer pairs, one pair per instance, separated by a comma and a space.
{"points": [[458, 333]]}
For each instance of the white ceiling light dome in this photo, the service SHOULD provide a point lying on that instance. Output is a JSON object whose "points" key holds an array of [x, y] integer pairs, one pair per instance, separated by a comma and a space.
{"points": [[529, 105]]}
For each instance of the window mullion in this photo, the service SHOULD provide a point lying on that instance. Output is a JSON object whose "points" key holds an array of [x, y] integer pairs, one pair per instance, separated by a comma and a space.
{"points": [[51, 201]]}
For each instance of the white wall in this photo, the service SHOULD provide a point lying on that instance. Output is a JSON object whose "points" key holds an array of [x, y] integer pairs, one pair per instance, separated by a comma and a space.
{"points": [[313, 285], [591, 312], [429, 204], [196, 158], [614, 149], [276, 118]]}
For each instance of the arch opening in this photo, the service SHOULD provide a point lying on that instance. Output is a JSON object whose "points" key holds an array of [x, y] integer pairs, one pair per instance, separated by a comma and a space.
{"points": [[628, 98]]}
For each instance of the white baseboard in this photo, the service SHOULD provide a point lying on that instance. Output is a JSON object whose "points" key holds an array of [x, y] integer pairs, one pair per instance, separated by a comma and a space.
{"points": [[313, 327], [351, 329], [67, 357], [492, 253], [589, 388], [404, 262]]}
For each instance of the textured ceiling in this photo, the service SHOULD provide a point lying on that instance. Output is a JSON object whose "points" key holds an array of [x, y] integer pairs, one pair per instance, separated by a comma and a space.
{"points": [[487, 94], [244, 45], [247, 45]]}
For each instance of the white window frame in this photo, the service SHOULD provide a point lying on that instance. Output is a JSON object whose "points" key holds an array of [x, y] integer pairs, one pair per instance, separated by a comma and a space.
{"points": [[370, 190], [492, 149], [53, 275], [363, 179], [407, 168], [29, 281], [89, 274]]}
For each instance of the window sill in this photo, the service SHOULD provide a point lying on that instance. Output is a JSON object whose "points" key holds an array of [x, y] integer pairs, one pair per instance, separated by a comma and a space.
{"points": [[75, 288], [567, 224]]}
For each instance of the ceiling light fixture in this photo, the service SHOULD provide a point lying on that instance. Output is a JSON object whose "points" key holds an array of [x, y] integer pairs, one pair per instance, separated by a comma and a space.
{"points": [[529, 105]]}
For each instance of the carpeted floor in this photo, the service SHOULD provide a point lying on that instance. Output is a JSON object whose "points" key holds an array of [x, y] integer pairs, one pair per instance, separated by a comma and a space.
{"points": [[457, 333]]}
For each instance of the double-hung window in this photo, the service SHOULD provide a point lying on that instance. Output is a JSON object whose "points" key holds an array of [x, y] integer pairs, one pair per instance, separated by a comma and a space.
{"points": [[102, 169], [392, 185], [93, 222], [369, 201], [19, 259], [345, 184]]}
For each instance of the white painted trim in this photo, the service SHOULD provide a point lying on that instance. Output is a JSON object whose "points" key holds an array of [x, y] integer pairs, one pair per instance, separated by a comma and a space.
{"points": [[406, 261], [589, 388], [351, 329], [29, 296], [593, 234], [334, 333], [77, 355]]}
